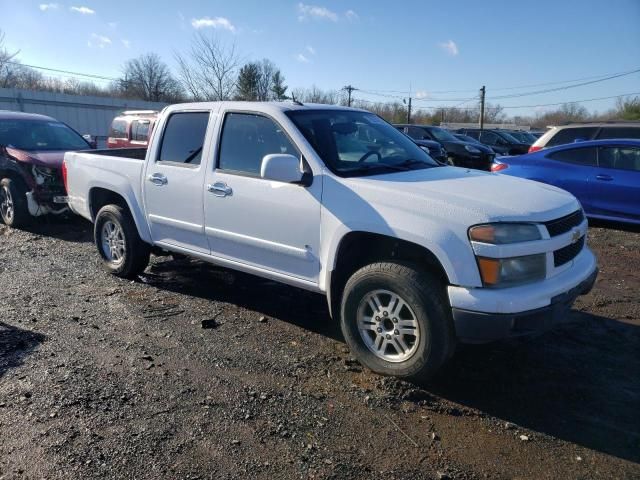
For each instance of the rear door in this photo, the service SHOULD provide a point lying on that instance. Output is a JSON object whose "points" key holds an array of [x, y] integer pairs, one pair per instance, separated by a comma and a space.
{"points": [[573, 169], [256, 222], [174, 179], [617, 182]]}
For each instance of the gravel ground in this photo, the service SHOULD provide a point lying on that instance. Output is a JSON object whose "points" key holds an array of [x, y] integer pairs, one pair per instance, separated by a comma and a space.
{"points": [[197, 372]]}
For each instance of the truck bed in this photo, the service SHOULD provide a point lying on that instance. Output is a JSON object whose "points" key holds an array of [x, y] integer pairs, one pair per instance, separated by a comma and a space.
{"points": [[117, 170]]}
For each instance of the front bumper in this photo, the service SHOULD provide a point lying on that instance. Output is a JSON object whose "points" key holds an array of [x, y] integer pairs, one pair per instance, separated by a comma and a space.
{"points": [[483, 315]]}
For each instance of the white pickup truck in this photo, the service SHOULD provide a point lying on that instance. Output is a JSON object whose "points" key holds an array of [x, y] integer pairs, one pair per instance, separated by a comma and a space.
{"points": [[412, 256]]}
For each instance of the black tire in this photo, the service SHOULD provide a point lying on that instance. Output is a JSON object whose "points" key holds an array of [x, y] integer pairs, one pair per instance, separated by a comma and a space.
{"points": [[18, 215], [135, 256], [424, 293]]}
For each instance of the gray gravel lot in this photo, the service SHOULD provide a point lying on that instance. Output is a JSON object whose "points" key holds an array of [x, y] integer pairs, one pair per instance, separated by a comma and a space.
{"points": [[106, 378]]}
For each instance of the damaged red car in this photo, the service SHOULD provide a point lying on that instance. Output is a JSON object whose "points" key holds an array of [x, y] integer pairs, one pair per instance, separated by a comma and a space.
{"points": [[31, 152]]}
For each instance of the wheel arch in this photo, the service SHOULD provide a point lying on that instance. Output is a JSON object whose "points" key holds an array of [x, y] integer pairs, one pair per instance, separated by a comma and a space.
{"points": [[99, 197], [358, 248]]}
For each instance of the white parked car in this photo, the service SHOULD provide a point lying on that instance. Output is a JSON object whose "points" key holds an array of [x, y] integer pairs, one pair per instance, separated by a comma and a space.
{"points": [[412, 256]]}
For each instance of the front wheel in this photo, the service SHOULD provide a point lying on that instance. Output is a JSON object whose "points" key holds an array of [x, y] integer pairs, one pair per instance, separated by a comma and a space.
{"points": [[13, 203], [397, 321], [123, 252]]}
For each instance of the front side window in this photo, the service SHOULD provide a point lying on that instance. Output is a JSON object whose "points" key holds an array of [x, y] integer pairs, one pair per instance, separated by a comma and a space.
{"points": [[620, 158], [40, 135], [355, 143], [579, 156], [247, 138], [183, 138]]}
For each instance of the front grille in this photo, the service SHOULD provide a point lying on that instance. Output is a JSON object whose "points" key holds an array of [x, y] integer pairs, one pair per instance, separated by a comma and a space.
{"points": [[564, 224], [568, 253]]}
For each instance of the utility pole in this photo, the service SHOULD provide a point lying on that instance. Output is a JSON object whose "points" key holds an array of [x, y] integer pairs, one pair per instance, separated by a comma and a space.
{"points": [[349, 89], [409, 111], [482, 93]]}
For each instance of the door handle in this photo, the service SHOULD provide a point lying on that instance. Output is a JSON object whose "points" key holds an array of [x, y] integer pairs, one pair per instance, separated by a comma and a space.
{"points": [[220, 189], [605, 178], [158, 179]]}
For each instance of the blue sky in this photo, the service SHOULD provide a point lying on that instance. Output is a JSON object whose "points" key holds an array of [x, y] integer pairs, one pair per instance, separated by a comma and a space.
{"points": [[432, 46]]}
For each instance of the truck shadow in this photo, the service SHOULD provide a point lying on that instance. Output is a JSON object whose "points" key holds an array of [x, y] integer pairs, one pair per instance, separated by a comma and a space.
{"points": [[15, 345], [70, 228], [579, 383], [306, 309]]}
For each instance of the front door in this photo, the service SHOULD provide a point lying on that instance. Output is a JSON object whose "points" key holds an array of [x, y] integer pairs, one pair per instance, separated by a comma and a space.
{"points": [[174, 182], [260, 223]]}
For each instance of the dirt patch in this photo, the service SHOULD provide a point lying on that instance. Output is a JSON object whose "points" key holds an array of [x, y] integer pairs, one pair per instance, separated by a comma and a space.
{"points": [[105, 378]]}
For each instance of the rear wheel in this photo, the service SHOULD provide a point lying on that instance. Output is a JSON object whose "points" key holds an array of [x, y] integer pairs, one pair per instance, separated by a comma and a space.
{"points": [[123, 252], [397, 321], [13, 203]]}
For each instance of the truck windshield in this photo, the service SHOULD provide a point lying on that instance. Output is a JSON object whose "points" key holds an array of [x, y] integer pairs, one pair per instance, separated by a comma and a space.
{"points": [[40, 135], [353, 143]]}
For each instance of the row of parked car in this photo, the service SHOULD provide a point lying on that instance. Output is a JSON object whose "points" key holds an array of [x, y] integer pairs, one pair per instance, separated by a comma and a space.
{"points": [[33, 145]]}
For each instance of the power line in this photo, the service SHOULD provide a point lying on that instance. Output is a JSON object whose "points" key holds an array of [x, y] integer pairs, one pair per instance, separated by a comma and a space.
{"points": [[88, 75], [531, 85], [445, 107], [610, 77], [575, 101]]}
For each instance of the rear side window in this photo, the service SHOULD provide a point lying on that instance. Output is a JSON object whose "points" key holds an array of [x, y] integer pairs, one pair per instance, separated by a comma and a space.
{"points": [[620, 158], [570, 135], [140, 130], [118, 129], [579, 156], [619, 132], [183, 138], [247, 138]]}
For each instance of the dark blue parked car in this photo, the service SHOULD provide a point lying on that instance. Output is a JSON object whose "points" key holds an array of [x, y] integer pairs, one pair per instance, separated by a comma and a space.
{"points": [[603, 174]]}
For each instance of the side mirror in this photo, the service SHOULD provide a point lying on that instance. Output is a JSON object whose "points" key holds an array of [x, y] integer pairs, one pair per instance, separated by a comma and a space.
{"points": [[282, 167], [90, 140]]}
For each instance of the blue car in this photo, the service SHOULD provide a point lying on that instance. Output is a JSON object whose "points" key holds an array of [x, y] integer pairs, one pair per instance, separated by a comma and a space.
{"points": [[603, 174]]}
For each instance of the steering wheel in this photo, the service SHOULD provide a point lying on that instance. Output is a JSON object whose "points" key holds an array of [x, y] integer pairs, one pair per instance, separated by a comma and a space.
{"points": [[368, 154]]}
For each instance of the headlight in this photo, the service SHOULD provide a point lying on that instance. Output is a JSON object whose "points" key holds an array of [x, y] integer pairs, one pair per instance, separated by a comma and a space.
{"points": [[471, 149], [501, 233], [503, 272]]}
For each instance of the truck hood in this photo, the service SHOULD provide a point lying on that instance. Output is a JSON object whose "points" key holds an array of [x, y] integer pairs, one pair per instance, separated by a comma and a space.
{"points": [[51, 159], [465, 196]]}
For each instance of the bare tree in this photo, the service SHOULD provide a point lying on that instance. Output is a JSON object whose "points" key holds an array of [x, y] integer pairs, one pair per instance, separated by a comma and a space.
{"points": [[209, 70], [149, 78], [7, 67], [265, 81]]}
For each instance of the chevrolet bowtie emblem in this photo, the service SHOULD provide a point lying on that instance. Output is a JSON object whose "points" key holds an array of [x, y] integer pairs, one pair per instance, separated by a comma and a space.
{"points": [[575, 236]]}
